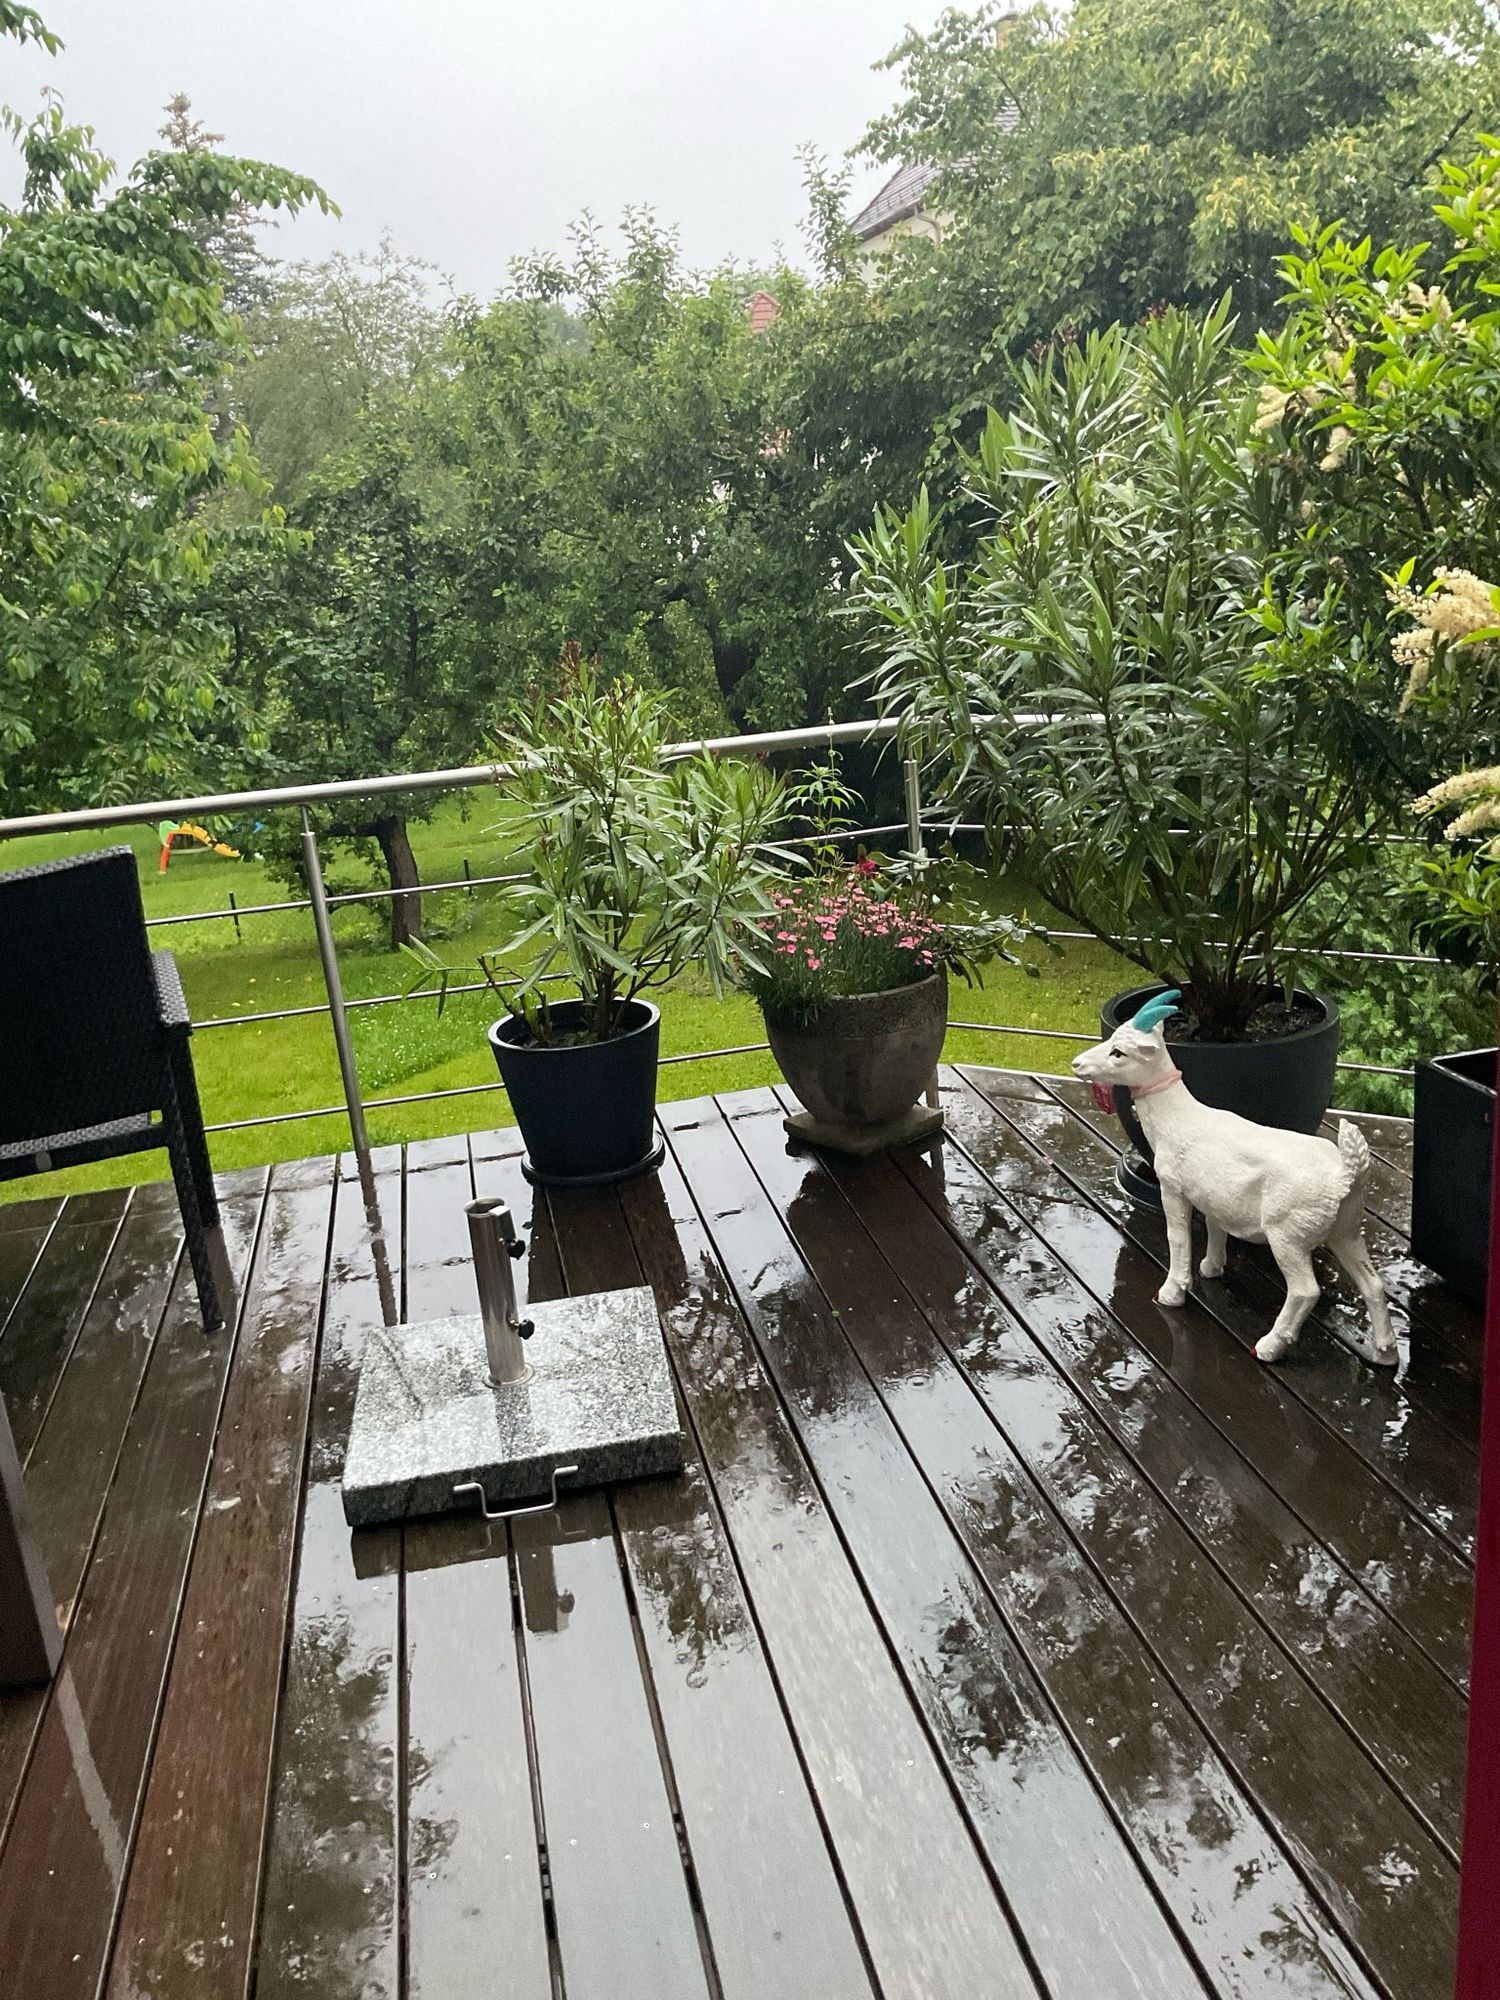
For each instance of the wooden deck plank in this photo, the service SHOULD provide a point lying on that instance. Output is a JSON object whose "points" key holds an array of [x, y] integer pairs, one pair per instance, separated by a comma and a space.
{"points": [[1396, 1435], [1441, 1372], [187, 1925], [69, 1467], [73, 1461], [1032, 1806], [330, 1923], [29, 1214], [45, 1322], [1420, 1578], [20, 1246], [471, 1868], [1209, 1667], [1186, 1535], [926, 1907], [624, 1910], [74, 1820], [772, 1901]]}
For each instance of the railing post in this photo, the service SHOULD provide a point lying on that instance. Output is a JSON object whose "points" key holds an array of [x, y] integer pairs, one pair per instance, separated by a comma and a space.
{"points": [[911, 771], [334, 987]]}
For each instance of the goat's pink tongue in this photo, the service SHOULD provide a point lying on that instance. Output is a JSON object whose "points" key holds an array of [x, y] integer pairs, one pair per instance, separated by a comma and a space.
{"points": [[1104, 1097]]}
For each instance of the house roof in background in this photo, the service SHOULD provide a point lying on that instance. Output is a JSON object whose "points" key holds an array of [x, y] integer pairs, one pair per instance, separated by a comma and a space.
{"points": [[904, 193], [761, 310], [900, 197]]}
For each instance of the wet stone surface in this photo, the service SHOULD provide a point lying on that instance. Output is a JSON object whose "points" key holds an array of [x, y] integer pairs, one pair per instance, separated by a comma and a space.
{"points": [[428, 1419]]}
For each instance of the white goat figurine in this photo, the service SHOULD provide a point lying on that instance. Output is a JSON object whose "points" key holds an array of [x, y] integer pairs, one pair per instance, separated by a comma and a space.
{"points": [[1263, 1185]]}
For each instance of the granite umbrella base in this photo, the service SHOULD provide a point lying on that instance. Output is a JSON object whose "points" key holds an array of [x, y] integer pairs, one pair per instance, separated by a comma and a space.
{"points": [[433, 1434]]}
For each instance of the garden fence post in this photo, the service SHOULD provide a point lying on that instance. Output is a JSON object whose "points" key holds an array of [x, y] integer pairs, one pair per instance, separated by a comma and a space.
{"points": [[334, 987], [911, 771]]}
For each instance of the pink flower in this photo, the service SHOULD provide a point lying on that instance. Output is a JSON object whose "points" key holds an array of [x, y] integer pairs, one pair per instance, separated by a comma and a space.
{"points": [[813, 962]]}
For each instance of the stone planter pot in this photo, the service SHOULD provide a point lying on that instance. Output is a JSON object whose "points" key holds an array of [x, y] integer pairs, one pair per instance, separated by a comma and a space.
{"points": [[862, 1066], [1287, 1082]]}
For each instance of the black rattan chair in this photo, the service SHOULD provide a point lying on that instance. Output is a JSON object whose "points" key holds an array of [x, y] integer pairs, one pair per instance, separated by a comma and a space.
{"points": [[94, 1057]]}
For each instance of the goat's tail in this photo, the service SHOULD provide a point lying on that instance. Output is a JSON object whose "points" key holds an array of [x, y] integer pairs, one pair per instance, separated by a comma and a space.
{"points": [[1354, 1155]]}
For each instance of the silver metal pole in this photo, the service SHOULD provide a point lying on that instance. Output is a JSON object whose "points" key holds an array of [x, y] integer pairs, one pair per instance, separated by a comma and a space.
{"points": [[334, 987], [911, 771]]}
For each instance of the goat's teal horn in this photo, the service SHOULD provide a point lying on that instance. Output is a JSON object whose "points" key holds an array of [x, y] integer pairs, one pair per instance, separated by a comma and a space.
{"points": [[1156, 1010]]}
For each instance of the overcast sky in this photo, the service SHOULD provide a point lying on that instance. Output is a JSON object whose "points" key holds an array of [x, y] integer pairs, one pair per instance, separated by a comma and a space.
{"points": [[478, 129]]}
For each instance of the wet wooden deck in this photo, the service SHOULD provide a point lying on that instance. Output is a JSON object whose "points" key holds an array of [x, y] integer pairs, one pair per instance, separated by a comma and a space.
{"points": [[1006, 1636]]}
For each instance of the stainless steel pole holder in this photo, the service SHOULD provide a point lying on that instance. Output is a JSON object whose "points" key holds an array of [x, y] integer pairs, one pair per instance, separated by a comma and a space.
{"points": [[495, 1242]]}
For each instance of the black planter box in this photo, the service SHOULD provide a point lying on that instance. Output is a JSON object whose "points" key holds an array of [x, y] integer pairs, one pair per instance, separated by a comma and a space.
{"points": [[1453, 1121]]}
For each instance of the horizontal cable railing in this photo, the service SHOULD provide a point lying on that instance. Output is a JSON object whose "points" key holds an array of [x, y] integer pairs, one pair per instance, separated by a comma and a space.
{"points": [[918, 827]]}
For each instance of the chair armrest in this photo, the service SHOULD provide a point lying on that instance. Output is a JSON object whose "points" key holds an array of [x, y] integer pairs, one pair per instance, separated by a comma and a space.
{"points": [[171, 1002]]}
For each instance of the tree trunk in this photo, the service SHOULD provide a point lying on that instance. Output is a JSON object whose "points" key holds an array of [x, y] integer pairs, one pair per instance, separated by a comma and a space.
{"points": [[401, 869]]}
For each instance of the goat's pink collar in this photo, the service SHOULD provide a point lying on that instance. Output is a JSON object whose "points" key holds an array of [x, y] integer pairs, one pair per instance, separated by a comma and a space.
{"points": [[1163, 1082]]}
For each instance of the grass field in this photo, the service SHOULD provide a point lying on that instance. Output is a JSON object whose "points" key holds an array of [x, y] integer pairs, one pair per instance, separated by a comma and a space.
{"points": [[280, 1066]]}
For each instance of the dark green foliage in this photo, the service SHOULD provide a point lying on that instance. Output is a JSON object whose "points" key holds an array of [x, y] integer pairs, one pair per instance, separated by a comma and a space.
{"points": [[114, 337], [1175, 738], [1107, 157]]}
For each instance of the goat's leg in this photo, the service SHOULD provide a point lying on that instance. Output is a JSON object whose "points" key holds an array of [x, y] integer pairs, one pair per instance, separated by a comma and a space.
{"points": [[1179, 1213], [1213, 1257], [1301, 1296], [1354, 1254]]}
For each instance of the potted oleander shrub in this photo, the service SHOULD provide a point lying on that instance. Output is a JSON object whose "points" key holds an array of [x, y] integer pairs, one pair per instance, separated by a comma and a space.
{"points": [[1170, 731], [635, 871]]}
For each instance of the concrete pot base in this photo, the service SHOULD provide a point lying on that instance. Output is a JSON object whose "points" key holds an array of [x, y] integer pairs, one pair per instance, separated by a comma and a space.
{"points": [[921, 1121]]}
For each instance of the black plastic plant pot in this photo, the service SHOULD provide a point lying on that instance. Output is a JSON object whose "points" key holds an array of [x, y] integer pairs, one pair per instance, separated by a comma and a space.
{"points": [[1453, 1123], [1286, 1082], [587, 1110]]}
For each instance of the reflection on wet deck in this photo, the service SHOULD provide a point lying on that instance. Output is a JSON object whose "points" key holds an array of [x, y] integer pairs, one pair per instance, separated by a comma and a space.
{"points": [[1006, 1635]]}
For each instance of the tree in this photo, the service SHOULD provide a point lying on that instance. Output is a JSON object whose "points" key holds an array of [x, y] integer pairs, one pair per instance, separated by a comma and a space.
{"points": [[351, 654], [1100, 159], [228, 241], [619, 470], [329, 341], [113, 336]]}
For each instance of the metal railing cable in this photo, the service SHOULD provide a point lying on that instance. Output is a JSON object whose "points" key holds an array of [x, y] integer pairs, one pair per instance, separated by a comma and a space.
{"points": [[919, 827]]}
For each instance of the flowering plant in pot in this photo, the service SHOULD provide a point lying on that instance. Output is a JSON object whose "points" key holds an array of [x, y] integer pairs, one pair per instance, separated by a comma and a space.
{"points": [[637, 870], [853, 982], [1173, 736]]}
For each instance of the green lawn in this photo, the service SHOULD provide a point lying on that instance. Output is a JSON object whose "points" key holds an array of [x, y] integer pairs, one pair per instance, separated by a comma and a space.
{"points": [[253, 1072]]}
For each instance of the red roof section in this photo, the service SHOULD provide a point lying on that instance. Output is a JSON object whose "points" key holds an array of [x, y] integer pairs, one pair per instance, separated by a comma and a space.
{"points": [[762, 311]]}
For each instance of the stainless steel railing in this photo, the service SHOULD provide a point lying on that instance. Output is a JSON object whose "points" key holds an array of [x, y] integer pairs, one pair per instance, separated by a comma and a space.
{"points": [[916, 826]]}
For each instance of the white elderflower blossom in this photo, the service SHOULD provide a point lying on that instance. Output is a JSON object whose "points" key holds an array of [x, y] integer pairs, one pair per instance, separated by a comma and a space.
{"points": [[1476, 820], [1273, 407], [1459, 606], [1478, 792], [1414, 651], [1339, 442]]}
